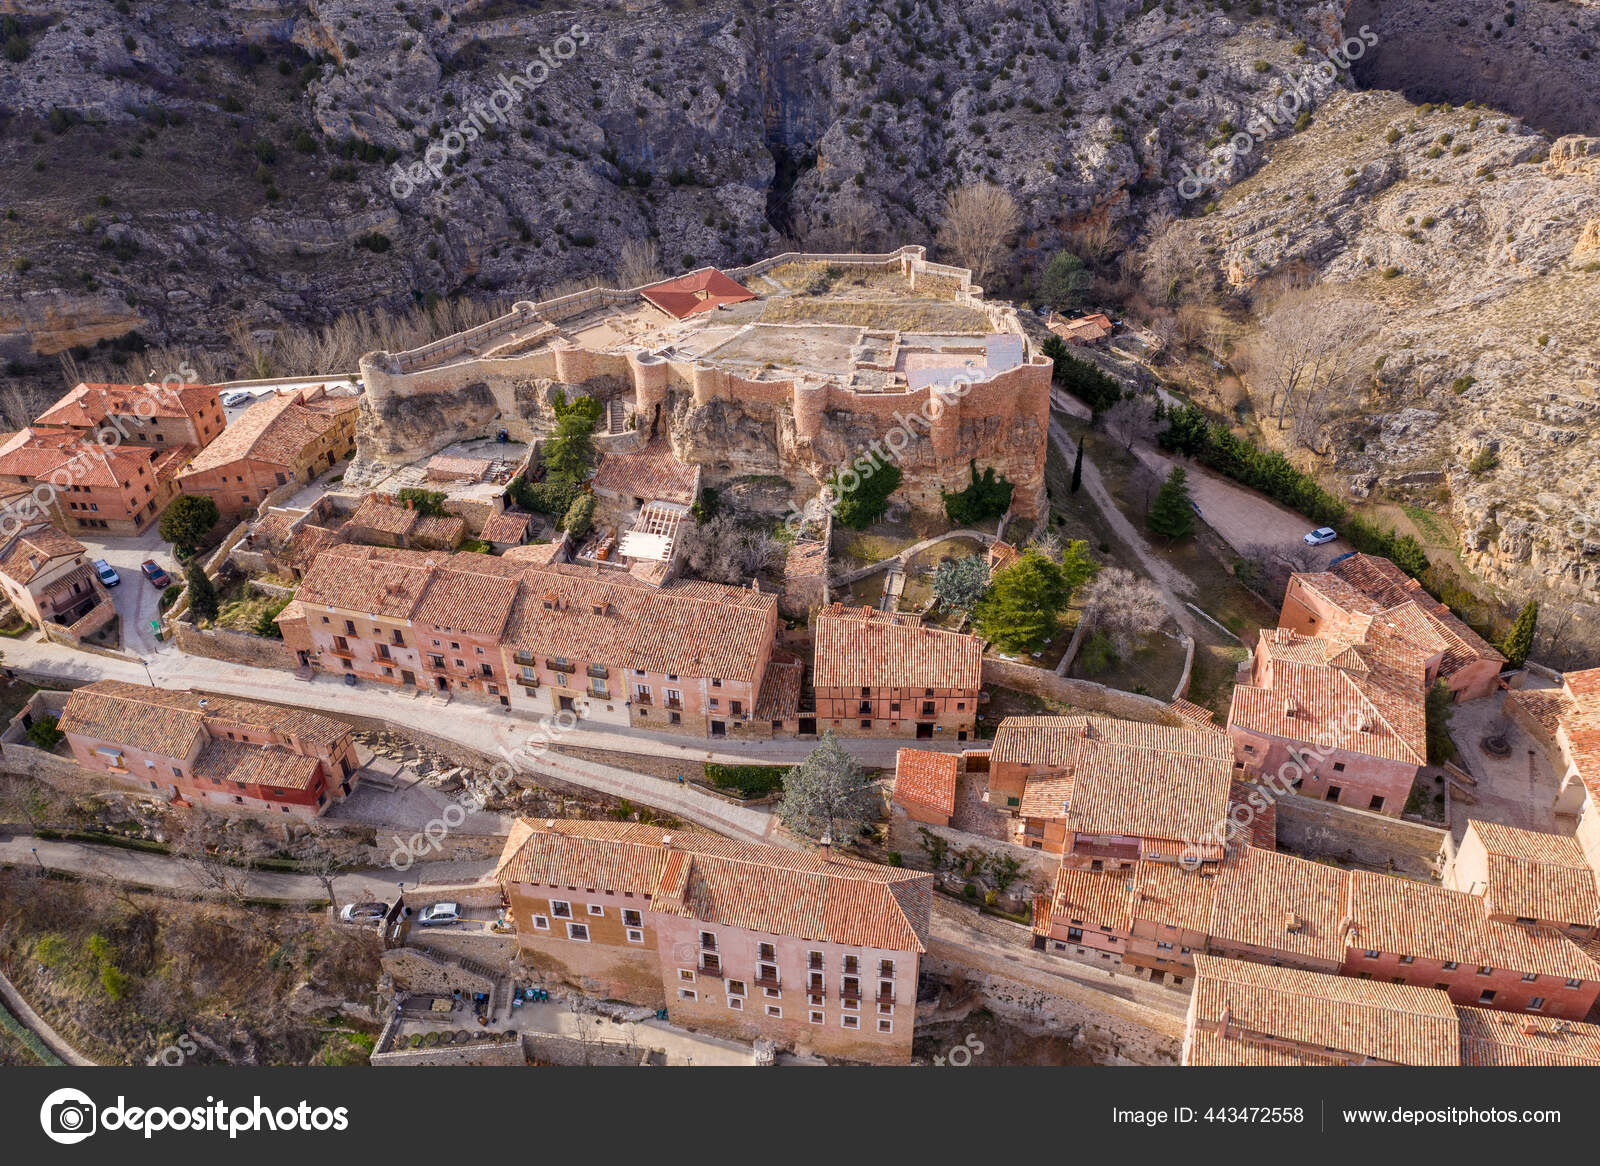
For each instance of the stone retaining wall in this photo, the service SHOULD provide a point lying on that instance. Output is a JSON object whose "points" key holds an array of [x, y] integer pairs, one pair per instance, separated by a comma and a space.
{"points": [[1084, 694], [231, 646], [1319, 829]]}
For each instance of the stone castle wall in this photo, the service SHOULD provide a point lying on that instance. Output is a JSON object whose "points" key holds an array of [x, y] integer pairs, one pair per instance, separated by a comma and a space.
{"points": [[730, 424]]}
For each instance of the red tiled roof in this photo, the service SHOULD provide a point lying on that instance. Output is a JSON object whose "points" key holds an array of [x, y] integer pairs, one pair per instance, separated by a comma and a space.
{"points": [[167, 721], [32, 549], [924, 778], [1537, 876], [860, 647], [277, 430], [88, 405], [772, 889], [1391, 587], [699, 291]]}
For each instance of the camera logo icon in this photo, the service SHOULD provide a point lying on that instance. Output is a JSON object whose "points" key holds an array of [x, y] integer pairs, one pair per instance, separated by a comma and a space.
{"points": [[68, 1116]]}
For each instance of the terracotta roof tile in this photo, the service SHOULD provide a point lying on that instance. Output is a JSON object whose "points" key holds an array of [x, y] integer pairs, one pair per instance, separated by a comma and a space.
{"points": [[860, 647], [1537, 876], [1492, 1038], [32, 549], [1280, 903], [928, 779]]}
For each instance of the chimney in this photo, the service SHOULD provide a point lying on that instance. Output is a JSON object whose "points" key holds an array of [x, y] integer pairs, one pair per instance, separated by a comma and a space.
{"points": [[1225, 1021], [666, 841], [1292, 923], [1348, 928], [1289, 707], [1530, 1026]]}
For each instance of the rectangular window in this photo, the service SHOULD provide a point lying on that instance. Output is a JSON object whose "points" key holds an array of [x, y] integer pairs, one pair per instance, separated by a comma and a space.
{"points": [[736, 987], [818, 1017], [1529, 977], [596, 909], [774, 1011], [736, 1003], [561, 909], [578, 931], [772, 993], [632, 918], [688, 994], [1450, 965], [849, 1022], [886, 1026], [635, 935], [686, 975], [1535, 1003], [1485, 970], [540, 923]]}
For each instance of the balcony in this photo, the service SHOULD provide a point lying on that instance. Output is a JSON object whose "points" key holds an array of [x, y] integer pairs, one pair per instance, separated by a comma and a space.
{"points": [[847, 992], [342, 653], [597, 693], [764, 981], [884, 996], [566, 666], [716, 970], [595, 672], [641, 698], [675, 704]]}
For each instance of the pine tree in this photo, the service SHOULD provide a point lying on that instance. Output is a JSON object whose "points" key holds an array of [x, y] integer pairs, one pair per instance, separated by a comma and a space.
{"points": [[1077, 468], [828, 795], [1172, 514], [202, 595], [1520, 641]]}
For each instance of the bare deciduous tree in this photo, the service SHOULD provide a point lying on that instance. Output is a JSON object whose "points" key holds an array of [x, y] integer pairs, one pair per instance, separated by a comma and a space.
{"points": [[215, 864], [850, 225], [979, 222], [1267, 568], [1312, 341], [638, 263], [1131, 420], [724, 550], [1124, 608]]}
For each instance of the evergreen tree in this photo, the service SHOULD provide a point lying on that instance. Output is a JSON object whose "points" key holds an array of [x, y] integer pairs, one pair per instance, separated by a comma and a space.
{"points": [[1065, 281], [202, 595], [1172, 514], [1020, 609], [827, 795], [1520, 642]]}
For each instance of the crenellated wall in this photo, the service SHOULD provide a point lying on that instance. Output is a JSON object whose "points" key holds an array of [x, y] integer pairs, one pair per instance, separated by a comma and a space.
{"points": [[730, 423]]}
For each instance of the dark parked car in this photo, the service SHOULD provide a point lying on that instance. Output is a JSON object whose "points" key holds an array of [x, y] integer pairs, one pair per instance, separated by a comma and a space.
{"points": [[153, 572]]}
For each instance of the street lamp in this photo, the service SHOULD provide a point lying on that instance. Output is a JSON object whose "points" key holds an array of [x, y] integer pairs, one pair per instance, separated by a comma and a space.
{"points": [[147, 674], [37, 859]]}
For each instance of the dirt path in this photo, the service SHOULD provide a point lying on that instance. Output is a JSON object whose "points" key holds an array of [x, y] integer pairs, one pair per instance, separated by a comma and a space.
{"points": [[1172, 583]]}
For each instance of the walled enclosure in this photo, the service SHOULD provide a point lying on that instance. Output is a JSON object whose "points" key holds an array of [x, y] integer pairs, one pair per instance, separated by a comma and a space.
{"points": [[503, 373]]}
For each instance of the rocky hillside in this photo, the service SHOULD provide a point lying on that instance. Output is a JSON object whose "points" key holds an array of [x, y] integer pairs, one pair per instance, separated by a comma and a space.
{"points": [[178, 168], [1471, 246]]}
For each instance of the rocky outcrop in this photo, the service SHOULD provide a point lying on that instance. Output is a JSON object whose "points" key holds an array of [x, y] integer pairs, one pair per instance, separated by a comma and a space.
{"points": [[1469, 240]]}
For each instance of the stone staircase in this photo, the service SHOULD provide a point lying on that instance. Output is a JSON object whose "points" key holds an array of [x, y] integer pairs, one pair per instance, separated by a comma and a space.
{"points": [[616, 417]]}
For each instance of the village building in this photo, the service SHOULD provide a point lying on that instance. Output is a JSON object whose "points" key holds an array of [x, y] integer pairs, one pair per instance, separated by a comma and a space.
{"points": [[925, 785], [164, 416], [1104, 792], [1090, 329], [1341, 722], [814, 951], [1565, 721], [282, 438], [385, 521], [1528, 877], [45, 576], [1360, 597], [86, 486], [885, 674], [226, 754]]}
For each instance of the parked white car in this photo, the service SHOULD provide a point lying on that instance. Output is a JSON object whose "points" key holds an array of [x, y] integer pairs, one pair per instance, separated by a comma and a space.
{"points": [[439, 914], [1323, 534], [363, 912], [236, 397]]}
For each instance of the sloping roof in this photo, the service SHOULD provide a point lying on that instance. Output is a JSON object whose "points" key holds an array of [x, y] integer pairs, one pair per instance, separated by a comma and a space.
{"points": [[269, 765], [699, 291], [167, 721], [505, 528], [1392, 587], [772, 889], [1538, 876], [385, 514], [925, 778], [277, 430], [1490, 1037], [1280, 903], [88, 405], [861, 647], [653, 473], [32, 549], [38, 453], [1120, 777], [1402, 917], [1324, 690], [1391, 1023]]}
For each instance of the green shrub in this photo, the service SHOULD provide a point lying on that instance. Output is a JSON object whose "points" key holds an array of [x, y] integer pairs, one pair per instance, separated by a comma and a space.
{"points": [[748, 781], [579, 516], [988, 496], [45, 732]]}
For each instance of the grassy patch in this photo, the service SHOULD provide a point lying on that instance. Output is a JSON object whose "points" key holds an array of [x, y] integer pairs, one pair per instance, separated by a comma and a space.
{"points": [[1432, 528], [242, 612], [881, 316], [748, 781]]}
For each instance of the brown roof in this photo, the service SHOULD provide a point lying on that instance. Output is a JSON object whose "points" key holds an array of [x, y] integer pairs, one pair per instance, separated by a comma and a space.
{"points": [[88, 405], [276, 430], [224, 760], [699, 291], [1401, 917], [1537, 876], [1166, 892], [860, 647], [779, 698], [38, 453], [652, 473], [1392, 587], [1490, 1037], [928, 779], [1093, 898], [384, 514], [1280, 903], [1120, 777], [1389, 1023], [167, 721], [505, 528], [772, 889], [1365, 698], [32, 549]]}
